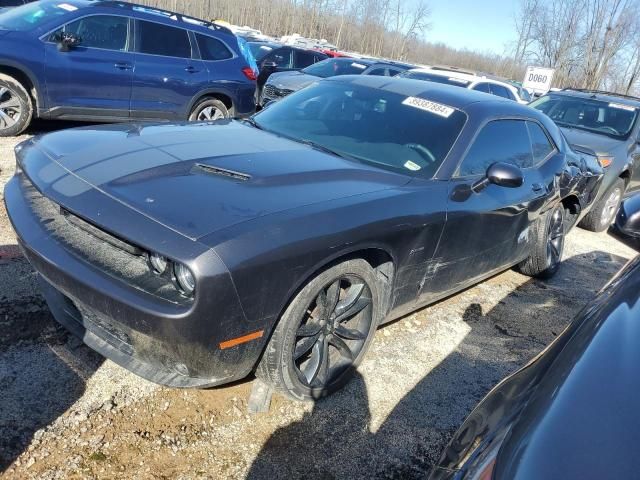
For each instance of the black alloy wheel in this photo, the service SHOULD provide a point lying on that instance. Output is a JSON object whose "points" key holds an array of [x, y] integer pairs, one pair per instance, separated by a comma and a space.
{"points": [[333, 332]]}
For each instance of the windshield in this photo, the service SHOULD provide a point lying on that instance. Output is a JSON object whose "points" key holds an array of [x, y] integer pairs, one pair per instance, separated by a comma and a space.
{"points": [[430, 77], [607, 118], [33, 15], [335, 66], [374, 126]]}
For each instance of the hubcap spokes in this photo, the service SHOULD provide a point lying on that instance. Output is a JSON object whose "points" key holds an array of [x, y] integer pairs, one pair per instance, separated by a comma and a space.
{"points": [[333, 332], [555, 243], [10, 109], [611, 207], [210, 113]]}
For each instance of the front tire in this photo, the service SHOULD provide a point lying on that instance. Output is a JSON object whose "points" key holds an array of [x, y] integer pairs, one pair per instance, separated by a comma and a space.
{"points": [[546, 251], [604, 212], [209, 109], [324, 333], [16, 107]]}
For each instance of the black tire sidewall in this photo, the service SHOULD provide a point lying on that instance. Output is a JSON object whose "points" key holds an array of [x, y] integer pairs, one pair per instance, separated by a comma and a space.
{"points": [[209, 102], [293, 315], [26, 104]]}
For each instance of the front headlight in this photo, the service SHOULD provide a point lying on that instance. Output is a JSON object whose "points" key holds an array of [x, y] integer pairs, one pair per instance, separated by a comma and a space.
{"points": [[185, 279]]}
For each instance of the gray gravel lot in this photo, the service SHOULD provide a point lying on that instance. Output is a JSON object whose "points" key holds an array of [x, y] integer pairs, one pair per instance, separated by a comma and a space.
{"points": [[67, 412]]}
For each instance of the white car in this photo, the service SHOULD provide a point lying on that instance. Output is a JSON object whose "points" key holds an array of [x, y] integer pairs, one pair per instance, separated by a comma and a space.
{"points": [[472, 81]]}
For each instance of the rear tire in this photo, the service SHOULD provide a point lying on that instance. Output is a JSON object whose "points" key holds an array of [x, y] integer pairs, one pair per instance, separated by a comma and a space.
{"points": [[324, 333], [16, 107], [604, 212], [546, 251], [209, 109]]}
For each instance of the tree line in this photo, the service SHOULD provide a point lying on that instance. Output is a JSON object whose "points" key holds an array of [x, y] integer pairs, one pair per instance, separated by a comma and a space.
{"points": [[590, 43]]}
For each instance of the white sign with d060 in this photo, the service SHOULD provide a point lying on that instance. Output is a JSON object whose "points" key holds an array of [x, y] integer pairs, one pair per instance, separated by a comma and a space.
{"points": [[538, 79]]}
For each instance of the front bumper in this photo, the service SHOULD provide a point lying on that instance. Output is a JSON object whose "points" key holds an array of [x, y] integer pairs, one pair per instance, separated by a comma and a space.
{"points": [[271, 93], [167, 342]]}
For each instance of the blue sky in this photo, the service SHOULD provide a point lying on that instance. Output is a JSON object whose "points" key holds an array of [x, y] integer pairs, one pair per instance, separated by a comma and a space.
{"points": [[481, 25]]}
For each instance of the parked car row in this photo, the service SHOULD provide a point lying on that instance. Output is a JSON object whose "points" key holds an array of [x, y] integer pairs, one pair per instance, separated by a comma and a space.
{"points": [[194, 254]]}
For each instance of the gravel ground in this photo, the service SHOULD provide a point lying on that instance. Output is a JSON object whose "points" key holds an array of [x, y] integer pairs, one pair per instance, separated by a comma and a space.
{"points": [[67, 412]]}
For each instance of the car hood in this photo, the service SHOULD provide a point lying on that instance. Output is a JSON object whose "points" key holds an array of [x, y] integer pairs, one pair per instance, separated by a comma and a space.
{"points": [[292, 80], [199, 178], [601, 144]]}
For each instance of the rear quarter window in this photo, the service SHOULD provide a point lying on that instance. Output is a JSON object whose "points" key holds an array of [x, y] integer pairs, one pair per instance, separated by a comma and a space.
{"points": [[212, 48]]}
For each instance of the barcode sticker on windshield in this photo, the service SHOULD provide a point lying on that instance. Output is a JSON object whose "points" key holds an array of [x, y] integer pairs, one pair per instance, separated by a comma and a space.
{"points": [[622, 107], [67, 7], [428, 106]]}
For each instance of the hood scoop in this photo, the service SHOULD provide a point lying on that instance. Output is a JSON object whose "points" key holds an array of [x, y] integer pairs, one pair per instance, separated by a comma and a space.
{"points": [[222, 172]]}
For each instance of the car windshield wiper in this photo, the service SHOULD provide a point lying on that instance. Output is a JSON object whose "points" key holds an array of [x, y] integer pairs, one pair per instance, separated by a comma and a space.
{"points": [[322, 148]]}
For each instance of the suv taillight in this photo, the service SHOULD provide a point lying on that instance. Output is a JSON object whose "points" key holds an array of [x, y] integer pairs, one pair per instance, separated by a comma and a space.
{"points": [[249, 73]]}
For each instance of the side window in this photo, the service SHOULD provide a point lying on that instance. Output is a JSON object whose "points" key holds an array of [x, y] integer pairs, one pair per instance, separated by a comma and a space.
{"points": [[158, 39], [501, 91], [482, 87], [99, 31], [212, 48], [499, 141], [540, 143], [393, 72], [381, 72], [304, 59], [282, 58]]}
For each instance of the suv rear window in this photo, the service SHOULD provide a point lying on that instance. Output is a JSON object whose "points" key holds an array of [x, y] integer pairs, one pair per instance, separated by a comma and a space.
{"points": [[606, 118], [158, 39]]}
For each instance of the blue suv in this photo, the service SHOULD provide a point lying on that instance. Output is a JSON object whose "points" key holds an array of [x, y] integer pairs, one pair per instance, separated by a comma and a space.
{"points": [[96, 60]]}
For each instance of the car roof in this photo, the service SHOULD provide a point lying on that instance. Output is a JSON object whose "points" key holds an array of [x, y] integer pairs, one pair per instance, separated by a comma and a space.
{"points": [[193, 23], [598, 95], [453, 96]]}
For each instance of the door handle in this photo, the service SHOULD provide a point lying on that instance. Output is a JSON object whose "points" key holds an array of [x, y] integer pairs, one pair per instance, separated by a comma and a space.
{"points": [[191, 69], [537, 187], [123, 66]]}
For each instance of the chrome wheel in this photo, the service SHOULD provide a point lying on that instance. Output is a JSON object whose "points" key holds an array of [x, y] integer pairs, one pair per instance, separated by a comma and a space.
{"points": [[611, 207], [555, 238], [210, 113], [10, 108], [333, 332]]}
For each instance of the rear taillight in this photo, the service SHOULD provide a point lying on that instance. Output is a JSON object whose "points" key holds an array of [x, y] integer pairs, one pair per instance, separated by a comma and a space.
{"points": [[249, 73]]}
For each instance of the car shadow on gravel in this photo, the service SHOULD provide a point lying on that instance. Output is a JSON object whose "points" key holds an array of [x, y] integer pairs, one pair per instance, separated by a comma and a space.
{"points": [[43, 368], [337, 442]]}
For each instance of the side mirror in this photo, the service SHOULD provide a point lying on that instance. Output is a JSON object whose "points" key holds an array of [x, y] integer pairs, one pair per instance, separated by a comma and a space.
{"points": [[270, 65], [627, 224], [67, 41], [500, 174]]}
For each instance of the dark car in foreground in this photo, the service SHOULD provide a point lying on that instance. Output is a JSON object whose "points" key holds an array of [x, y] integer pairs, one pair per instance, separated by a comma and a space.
{"points": [[281, 84], [572, 413], [607, 123], [194, 254], [116, 61]]}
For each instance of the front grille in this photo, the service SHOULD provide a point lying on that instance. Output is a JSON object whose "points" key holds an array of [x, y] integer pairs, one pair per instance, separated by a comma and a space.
{"points": [[272, 91], [101, 249]]}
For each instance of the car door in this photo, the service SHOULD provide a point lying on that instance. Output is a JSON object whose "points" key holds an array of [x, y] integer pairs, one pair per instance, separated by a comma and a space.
{"points": [[94, 78], [167, 77], [488, 230], [279, 60]]}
